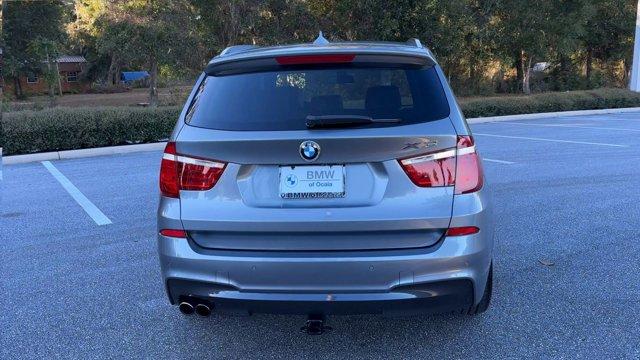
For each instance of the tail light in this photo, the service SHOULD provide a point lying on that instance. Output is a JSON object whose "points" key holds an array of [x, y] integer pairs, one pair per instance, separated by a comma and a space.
{"points": [[180, 172], [462, 231], [459, 167], [176, 233]]}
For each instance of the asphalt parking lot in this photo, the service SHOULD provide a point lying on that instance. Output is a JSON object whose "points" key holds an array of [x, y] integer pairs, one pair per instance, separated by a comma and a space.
{"points": [[566, 194]]}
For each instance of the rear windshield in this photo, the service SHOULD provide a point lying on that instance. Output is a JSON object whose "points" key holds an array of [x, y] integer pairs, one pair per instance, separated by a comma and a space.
{"points": [[282, 100]]}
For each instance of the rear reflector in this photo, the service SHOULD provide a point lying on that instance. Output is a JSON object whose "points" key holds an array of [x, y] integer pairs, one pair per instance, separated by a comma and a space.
{"points": [[315, 59], [179, 172], [460, 167], [462, 231], [173, 233]]}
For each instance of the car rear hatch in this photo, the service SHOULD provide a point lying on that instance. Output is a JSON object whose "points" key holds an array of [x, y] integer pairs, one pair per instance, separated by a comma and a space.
{"points": [[287, 183]]}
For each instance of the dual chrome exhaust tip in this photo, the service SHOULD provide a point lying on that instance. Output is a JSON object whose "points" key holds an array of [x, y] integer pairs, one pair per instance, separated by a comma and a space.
{"points": [[187, 308]]}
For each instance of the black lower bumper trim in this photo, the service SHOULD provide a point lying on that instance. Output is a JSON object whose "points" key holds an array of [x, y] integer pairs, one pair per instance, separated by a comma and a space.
{"points": [[427, 298]]}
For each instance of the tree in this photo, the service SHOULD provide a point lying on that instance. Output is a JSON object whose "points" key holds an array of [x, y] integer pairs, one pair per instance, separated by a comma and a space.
{"points": [[284, 21], [24, 32], [41, 48], [476, 41], [522, 35], [608, 35], [222, 23], [153, 33], [85, 33]]}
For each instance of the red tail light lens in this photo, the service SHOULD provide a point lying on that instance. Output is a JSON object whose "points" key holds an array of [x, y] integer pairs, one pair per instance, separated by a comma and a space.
{"points": [[431, 170], [173, 233], [315, 59], [179, 172], [462, 231], [169, 180], [469, 176], [198, 174], [444, 169]]}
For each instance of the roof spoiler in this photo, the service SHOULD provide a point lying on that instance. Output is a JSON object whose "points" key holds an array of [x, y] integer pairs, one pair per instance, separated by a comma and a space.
{"points": [[241, 58], [273, 62]]}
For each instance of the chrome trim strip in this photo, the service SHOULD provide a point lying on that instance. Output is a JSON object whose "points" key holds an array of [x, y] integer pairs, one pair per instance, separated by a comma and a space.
{"points": [[435, 156], [192, 161], [439, 155], [467, 150]]}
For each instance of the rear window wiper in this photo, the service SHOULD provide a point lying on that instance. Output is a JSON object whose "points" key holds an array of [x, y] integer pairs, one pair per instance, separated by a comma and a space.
{"points": [[333, 121]]}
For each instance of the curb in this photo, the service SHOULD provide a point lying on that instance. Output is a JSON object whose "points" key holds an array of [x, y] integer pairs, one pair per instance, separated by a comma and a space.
{"points": [[82, 153], [551, 115], [125, 149]]}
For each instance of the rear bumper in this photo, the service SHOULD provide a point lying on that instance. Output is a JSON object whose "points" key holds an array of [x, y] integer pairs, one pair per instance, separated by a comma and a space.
{"points": [[450, 275], [451, 295]]}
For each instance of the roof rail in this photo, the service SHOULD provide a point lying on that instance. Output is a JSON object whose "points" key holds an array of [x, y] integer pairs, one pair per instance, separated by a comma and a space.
{"points": [[415, 42], [234, 49]]}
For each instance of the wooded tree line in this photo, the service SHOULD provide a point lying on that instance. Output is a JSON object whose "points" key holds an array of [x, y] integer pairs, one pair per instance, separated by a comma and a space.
{"points": [[484, 46]]}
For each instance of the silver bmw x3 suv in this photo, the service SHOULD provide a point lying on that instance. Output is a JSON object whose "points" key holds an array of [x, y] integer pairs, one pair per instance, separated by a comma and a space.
{"points": [[324, 178]]}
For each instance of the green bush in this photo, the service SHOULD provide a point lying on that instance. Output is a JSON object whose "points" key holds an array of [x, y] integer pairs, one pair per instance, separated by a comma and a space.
{"points": [[549, 102], [79, 128]]}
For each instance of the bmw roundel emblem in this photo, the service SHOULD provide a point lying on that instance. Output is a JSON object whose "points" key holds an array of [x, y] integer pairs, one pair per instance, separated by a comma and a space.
{"points": [[309, 150]]}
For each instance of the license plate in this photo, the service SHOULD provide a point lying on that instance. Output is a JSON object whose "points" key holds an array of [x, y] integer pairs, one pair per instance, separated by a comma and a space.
{"points": [[311, 182]]}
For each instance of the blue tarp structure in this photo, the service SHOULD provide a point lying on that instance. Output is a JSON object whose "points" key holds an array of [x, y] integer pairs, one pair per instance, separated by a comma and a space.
{"points": [[128, 77]]}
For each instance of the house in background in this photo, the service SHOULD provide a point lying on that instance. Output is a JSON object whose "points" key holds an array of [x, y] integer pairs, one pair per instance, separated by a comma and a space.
{"points": [[69, 67]]}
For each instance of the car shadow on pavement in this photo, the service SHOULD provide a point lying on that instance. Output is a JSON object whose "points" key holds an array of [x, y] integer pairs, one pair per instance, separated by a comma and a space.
{"points": [[371, 336]]}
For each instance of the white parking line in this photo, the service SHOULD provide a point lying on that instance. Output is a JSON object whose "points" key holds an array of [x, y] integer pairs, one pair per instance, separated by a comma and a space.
{"points": [[636, 118], [499, 161], [98, 216], [572, 126], [551, 140]]}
